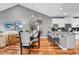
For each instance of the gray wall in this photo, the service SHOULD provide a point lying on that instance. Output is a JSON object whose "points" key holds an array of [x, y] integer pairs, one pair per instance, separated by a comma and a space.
{"points": [[21, 13]]}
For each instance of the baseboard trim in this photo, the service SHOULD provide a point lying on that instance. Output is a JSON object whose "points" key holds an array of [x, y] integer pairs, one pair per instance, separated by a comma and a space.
{"points": [[56, 43], [43, 37], [61, 46]]}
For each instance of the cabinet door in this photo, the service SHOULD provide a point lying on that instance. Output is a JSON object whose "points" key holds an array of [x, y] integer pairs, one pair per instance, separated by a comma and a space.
{"points": [[2, 42], [63, 40], [71, 41], [77, 36]]}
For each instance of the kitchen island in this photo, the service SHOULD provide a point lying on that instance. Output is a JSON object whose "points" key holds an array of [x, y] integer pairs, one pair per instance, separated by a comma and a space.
{"points": [[65, 40]]}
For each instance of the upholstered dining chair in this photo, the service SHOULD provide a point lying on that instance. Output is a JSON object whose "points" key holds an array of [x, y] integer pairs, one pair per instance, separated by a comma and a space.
{"points": [[24, 41], [36, 38]]}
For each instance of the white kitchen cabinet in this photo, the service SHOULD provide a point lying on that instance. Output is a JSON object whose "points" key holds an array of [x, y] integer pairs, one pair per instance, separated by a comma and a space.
{"points": [[76, 35], [67, 40], [71, 41], [60, 21], [3, 41]]}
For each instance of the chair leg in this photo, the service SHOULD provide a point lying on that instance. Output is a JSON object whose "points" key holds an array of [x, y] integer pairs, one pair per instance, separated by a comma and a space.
{"points": [[20, 43], [20, 48], [29, 49], [39, 44], [21, 51], [54, 42]]}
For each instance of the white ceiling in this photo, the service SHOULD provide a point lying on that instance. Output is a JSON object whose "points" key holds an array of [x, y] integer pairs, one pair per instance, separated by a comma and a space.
{"points": [[45, 8], [4, 6], [50, 9], [70, 9]]}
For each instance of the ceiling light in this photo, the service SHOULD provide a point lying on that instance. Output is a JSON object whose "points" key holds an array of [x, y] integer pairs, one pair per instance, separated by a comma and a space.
{"points": [[65, 13], [61, 8]]}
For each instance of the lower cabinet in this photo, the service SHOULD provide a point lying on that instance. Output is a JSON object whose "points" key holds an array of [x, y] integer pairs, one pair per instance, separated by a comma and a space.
{"points": [[67, 40], [64, 39], [8, 38], [3, 41], [12, 39], [57, 39]]}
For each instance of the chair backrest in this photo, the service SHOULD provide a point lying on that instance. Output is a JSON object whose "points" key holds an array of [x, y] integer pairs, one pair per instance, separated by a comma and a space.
{"points": [[25, 37]]}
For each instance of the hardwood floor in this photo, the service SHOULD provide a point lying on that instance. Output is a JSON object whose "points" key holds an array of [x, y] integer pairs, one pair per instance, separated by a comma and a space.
{"points": [[46, 48]]}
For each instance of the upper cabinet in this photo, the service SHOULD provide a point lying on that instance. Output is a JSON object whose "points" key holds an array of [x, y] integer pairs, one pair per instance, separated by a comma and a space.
{"points": [[59, 21], [67, 20], [75, 22]]}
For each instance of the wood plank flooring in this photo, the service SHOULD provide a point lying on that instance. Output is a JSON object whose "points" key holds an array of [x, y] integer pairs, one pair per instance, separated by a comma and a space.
{"points": [[46, 48]]}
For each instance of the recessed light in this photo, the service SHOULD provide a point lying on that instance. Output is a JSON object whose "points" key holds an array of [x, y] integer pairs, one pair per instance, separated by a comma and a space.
{"points": [[61, 8], [65, 13]]}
